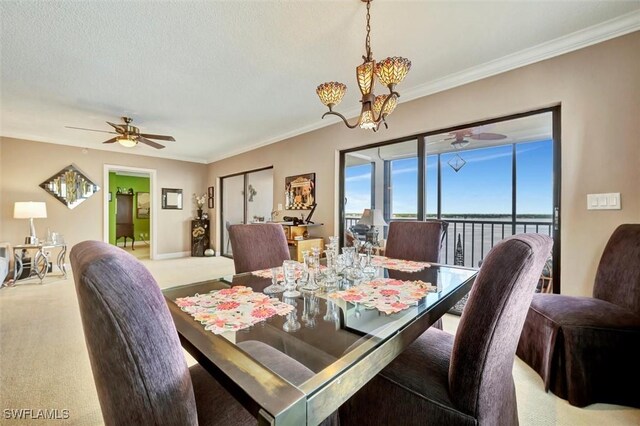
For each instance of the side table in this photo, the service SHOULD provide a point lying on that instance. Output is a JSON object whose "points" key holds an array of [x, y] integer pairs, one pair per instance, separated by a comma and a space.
{"points": [[39, 264]]}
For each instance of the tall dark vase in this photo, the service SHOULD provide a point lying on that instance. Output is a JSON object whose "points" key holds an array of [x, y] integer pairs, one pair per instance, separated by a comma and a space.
{"points": [[199, 211]]}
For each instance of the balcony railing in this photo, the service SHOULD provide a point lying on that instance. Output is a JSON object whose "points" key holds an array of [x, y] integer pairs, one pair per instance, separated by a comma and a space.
{"points": [[478, 236]]}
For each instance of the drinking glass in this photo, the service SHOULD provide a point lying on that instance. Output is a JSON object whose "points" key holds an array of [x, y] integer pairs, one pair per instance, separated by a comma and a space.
{"points": [[289, 267], [275, 287]]}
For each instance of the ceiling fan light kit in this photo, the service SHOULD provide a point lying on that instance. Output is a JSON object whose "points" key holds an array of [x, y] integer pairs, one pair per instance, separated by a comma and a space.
{"points": [[126, 141], [389, 72]]}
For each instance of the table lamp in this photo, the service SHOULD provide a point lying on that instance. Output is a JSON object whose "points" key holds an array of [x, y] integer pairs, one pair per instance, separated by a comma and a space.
{"points": [[373, 218], [30, 210]]}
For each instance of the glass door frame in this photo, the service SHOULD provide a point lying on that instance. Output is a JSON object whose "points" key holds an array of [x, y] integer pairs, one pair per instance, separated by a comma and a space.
{"points": [[422, 163], [244, 207]]}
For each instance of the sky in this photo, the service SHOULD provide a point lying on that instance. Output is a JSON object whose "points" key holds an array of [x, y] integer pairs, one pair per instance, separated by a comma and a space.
{"points": [[482, 185]]}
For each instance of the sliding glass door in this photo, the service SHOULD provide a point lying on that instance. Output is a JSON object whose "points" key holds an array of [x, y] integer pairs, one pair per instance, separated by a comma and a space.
{"points": [[488, 180], [246, 198]]}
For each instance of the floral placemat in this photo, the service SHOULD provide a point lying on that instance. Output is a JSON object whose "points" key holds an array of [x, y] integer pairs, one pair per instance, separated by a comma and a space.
{"points": [[266, 273], [385, 294], [231, 309], [398, 264]]}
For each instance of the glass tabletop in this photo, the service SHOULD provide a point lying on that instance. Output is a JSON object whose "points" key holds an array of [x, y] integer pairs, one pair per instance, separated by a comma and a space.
{"points": [[326, 334]]}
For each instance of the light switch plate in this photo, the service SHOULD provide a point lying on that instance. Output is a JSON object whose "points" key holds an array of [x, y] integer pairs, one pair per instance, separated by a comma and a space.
{"points": [[610, 201]]}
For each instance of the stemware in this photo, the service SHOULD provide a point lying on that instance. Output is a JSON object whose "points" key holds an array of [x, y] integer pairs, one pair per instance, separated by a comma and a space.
{"points": [[312, 265], [289, 267], [275, 286], [292, 324]]}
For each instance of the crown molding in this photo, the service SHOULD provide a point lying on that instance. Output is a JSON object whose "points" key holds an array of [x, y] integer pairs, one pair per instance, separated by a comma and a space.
{"points": [[598, 33]]}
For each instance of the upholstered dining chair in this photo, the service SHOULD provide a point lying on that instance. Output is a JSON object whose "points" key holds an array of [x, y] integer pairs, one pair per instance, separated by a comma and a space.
{"points": [[467, 379], [419, 241], [258, 246], [587, 349], [138, 365]]}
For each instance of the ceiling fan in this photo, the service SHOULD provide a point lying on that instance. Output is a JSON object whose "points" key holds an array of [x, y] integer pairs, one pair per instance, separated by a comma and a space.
{"points": [[458, 140], [128, 135]]}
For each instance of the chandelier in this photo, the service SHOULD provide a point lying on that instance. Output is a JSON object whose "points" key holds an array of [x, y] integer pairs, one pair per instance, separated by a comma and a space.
{"points": [[375, 109]]}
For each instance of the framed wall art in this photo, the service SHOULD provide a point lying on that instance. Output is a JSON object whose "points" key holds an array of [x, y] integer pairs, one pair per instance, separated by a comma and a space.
{"points": [[210, 197], [143, 205], [300, 192], [172, 198]]}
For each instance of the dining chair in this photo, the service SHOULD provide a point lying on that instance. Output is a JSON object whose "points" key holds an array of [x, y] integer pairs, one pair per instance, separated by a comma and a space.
{"points": [[138, 365], [258, 246], [419, 241], [586, 349], [467, 379]]}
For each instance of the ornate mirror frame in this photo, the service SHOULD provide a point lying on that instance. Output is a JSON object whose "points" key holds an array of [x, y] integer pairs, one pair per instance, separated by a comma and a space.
{"points": [[70, 186]]}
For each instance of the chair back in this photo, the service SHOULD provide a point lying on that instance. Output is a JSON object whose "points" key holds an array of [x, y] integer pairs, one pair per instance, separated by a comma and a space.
{"points": [[258, 246], [480, 371], [618, 276], [419, 241], [139, 369]]}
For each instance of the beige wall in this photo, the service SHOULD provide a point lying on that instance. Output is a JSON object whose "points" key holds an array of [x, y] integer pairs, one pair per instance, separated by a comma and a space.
{"points": [[25, 164], [599, 90]]}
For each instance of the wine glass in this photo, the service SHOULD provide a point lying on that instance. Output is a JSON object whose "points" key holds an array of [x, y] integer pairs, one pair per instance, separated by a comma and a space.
{"points": [[274, 287], [311, 271], [289, 267]]}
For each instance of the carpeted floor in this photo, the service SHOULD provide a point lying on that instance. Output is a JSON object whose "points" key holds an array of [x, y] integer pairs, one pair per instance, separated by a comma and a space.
{"points": [[44, 363]]}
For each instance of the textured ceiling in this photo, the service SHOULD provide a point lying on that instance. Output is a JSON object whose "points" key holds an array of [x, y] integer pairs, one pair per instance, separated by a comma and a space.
{"points": [[222, 77]]}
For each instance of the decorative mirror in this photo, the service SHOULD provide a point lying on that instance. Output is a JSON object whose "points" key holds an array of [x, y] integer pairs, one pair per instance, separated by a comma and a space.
{"points": [[172, 198], [70, 186]]}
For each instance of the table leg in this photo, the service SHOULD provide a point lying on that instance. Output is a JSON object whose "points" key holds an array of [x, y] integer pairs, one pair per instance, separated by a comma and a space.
{"points": [[41, 272], [60, 261]]}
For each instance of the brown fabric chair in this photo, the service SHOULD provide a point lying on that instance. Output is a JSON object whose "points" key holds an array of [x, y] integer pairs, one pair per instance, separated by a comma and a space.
{"points": [[258, 246], [419, 241], [587, 349], [138, 364], [467, 379]]}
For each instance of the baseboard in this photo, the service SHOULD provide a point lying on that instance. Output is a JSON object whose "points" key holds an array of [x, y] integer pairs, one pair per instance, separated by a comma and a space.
{"points": [[172, 255]]}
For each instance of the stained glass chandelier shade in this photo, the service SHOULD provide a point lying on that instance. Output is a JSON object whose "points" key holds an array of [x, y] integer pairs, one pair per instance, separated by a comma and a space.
{"points": [[389, 72]]}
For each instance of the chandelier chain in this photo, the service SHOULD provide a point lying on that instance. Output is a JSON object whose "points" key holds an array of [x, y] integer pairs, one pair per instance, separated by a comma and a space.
{"points": [[368, 40]]}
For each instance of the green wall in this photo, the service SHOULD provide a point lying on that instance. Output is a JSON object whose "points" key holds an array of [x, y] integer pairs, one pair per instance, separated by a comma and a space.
{"points": [[139, 184]]}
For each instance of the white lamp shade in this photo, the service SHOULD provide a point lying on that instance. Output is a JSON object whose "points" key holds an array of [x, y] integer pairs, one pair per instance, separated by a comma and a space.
{"points": [[29, 209], [372, 218]]}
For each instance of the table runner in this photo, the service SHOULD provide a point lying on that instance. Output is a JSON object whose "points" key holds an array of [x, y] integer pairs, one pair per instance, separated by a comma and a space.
{"points": [[385, 294], [398, 264], [232, 309], [266, 273]]}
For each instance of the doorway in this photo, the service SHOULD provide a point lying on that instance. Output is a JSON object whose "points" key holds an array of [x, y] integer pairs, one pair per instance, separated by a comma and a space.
{"points": [[247, 197], [130, 210]]}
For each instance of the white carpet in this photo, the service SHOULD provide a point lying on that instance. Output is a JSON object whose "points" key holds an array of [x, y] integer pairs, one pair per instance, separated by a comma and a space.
{"points": [[44, 363]]}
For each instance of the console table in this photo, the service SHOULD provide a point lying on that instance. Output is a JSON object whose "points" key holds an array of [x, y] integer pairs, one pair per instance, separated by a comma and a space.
{"points": [[39, 263], [299, 239]]}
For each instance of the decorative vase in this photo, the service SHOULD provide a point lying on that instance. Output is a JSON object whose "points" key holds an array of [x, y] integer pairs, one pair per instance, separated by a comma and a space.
{"points": [[199, 213]]}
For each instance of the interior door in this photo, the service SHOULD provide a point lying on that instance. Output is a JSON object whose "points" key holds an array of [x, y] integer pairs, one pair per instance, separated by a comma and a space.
{"points": [[232, 208], [246, 198]]}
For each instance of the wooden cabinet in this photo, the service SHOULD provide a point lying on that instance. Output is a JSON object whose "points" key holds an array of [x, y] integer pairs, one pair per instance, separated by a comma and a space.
{"points": [[300, 240], [124, 218], [199, 237]]}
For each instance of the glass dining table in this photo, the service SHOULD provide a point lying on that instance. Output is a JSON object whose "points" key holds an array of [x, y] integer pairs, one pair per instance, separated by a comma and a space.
{"points": [[344, 344]]}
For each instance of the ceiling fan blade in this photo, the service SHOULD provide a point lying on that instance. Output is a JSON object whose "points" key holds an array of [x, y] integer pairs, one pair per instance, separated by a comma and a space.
{"points": [[488, 136], [112, 140], [118, 127], [148, 142], [90, 130], [160, 137]]}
